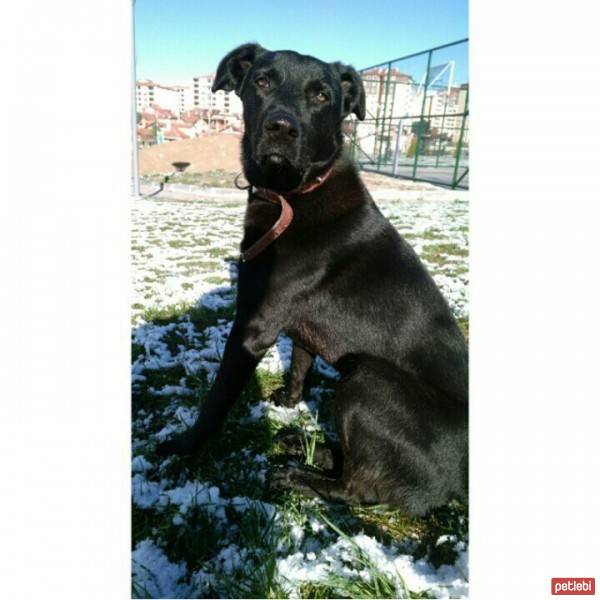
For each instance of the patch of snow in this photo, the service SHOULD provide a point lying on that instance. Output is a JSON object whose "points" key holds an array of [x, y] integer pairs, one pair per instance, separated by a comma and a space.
{"points": [[171, 390], [155, 576], [184, 417], [140, 464], [231, 558], [220, 297], [195, 493], [144, 493], [341, 558]]}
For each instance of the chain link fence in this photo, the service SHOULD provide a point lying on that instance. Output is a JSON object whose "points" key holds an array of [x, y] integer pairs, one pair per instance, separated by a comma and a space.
{"points": [[417, 123]]}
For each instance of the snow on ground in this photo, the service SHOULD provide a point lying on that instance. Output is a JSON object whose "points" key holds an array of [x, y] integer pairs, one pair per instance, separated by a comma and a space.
{"points": [[183, 250], [210, 529]]}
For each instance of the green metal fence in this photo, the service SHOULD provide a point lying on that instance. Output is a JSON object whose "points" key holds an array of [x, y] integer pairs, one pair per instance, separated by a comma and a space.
{"points": [[417, 123]]}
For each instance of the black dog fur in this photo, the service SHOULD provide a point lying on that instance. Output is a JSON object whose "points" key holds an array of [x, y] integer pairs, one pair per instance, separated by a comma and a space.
{"points": [[344, 285]]}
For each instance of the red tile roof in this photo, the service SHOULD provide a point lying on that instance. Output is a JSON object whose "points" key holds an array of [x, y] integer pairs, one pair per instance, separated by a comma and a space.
{"points": [[145, 133], [176, 133], [162, 113]]}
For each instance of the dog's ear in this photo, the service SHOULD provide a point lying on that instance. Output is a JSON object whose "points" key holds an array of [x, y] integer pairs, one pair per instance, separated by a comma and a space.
{"points": [[232, 69], [353, 91]]}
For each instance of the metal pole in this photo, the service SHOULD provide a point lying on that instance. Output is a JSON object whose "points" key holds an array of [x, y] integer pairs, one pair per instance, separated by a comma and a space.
{"points": [[421, 120], [390, 122], [135, 158], [460, 140], [439, 146], [379, 92], [396, 150], [450, 81], [385, 102]]}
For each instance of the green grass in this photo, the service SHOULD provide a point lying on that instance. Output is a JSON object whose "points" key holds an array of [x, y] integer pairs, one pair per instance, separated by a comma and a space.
{"points": [[179, 244], [201, 316], [223, 462], [201, 264], [377, 585], [309, 446], [194, 543], [463, 323], [438, 253], [431, 234], [218, 252], [165, 315], [215, 178], [258, 577], [216, 279]]}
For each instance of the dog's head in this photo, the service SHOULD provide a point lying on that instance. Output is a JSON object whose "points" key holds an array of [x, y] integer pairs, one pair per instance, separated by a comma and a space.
{"points": [[294, 106]]}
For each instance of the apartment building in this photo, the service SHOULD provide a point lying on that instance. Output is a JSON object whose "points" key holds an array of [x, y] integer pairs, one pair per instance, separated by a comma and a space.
{"points": [[401, 101], [226, 103], [177, 99], [401, 90], [445, 108]]}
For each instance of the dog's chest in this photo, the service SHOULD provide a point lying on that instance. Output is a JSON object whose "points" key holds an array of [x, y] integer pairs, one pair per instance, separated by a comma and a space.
{"points": [[260, 214], [315, 337]]}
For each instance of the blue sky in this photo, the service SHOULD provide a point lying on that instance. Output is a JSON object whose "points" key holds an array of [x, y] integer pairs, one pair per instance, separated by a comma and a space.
{"points": [[178, 39]]}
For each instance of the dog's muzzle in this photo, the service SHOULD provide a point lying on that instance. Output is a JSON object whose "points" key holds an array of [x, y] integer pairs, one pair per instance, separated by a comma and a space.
{"points": [[278, 146]]}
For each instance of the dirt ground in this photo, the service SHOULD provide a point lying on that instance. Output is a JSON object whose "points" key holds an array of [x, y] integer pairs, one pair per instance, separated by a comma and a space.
{"points": [[215, 160], [206, 153], [374, 181]]}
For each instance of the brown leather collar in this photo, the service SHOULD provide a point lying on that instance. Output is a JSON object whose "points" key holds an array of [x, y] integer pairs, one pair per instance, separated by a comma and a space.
{"points": [[285, 217]]}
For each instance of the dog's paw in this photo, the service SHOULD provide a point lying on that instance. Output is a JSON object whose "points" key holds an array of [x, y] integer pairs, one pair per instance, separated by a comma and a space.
{"points": [[282, 479], [280, 397], [292, 444], [187, 443]]}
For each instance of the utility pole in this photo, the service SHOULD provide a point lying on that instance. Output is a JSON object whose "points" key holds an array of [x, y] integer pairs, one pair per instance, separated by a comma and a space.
{"points": [[135, 166]]}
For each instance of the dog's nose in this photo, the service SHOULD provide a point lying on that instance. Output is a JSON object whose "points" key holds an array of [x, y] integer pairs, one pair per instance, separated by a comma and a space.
{"points": [[281, 125]]}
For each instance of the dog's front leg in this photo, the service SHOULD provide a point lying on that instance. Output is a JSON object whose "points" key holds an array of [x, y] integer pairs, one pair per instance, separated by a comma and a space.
{"points": [[300, 365], [246, 345]]}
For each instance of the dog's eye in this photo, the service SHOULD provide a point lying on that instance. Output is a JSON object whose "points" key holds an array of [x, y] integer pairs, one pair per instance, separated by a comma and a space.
{"points": [[262, 82], [321, 97]]}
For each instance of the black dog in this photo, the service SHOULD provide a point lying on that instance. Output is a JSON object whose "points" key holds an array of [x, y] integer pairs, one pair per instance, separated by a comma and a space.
{"points": [[344, 285]]}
